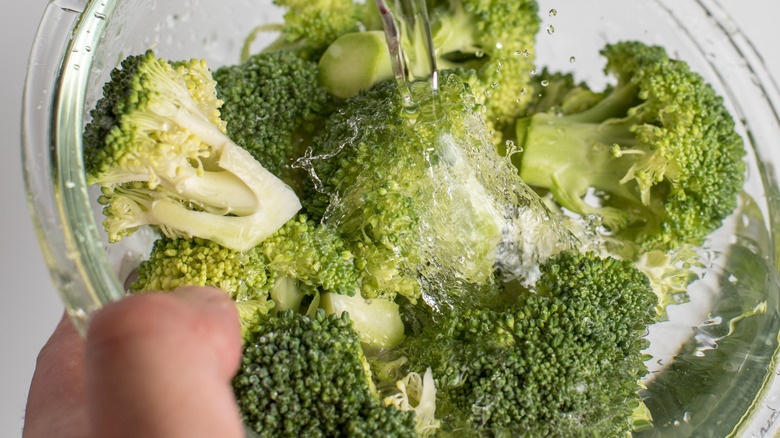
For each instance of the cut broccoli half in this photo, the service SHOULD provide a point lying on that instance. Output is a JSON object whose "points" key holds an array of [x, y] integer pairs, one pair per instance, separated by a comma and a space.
{"points": [[157, 148]]}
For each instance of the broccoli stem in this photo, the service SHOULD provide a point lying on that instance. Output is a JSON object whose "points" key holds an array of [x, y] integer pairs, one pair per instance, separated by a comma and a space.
{"points": [[570, 157], [355, 61], [219, 192]]}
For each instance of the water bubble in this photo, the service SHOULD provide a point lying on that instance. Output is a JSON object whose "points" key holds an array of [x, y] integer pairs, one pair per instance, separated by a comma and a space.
{"points": [[550, 29], [553, 12], [572, 60]]}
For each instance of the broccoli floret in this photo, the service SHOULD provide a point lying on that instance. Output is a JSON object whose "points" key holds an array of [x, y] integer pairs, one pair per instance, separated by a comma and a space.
{"points": [[490, 43], [311, 25], [659, 152], [157, 148], [564, 360], [424, 199], [302, 250], [272, 103], [307, 376]]}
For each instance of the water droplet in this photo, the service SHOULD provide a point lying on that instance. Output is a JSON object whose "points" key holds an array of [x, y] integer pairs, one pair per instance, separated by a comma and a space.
{"points": [[494, 85], [76, 67], [533, 71], [572, 60], [488, 93], [88, 49], [553, 12], [518, 53], [526, 53], [100, 16], [550, 29], [545, 83], [479, 53], [523, 92], [499, 46]]}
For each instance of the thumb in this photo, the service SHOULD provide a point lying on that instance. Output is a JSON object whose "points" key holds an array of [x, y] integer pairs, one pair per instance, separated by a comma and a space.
{"points": [[159, 365]]}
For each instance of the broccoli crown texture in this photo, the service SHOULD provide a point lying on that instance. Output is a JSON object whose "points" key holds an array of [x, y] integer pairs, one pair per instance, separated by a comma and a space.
{"points": [[302, 250], [272, 101], [157, 147], [494, 38], [563, 361], [311, 25], [659, 149], [491, 44], [307, 376], [423, 197]]}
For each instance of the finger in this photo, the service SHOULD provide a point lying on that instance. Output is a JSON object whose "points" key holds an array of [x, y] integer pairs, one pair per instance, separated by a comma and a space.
{"points": [[160, 365], [56, 402]]}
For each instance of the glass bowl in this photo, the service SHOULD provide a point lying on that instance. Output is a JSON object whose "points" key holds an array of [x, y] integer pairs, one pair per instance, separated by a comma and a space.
{"points": [[714, 368]]}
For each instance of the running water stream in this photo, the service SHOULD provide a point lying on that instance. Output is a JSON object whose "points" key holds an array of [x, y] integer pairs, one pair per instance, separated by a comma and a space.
{"points": [[410, 44]]}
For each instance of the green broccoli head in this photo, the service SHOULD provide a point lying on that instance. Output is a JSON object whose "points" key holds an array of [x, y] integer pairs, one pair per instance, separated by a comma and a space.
{"points": [[561, 361], [494, 38], [491, 44], [272, 103], [310, 26], [302, 250], [659, 151], [423, 198], [157, 148], [308, 376]]}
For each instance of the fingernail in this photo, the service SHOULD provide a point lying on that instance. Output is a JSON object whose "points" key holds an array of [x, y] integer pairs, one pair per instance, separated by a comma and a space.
{"points": [[200, 297]]}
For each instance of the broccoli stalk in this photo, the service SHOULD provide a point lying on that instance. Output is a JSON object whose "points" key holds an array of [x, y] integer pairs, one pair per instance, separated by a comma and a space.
{"points": [[158, 149], [658, 152]]}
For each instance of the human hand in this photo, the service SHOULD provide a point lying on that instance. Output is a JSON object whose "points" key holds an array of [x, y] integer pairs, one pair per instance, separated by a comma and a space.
{"points": [[153, 365]]}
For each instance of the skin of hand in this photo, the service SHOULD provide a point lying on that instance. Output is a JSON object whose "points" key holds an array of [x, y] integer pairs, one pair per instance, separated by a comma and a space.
{"points": [[152, 365]]}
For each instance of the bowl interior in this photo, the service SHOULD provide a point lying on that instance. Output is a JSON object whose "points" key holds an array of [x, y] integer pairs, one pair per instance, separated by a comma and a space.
{"points": [[711, 359]]}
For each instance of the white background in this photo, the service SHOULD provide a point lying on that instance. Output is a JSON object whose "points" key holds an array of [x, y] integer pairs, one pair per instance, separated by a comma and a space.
{"points": [[29, 305]]}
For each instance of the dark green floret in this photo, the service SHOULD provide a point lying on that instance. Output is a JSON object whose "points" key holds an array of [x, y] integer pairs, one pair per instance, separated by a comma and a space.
{"points": [[272, 103], [304, 376], [562, 361], [157, 148], [659, 151]]}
